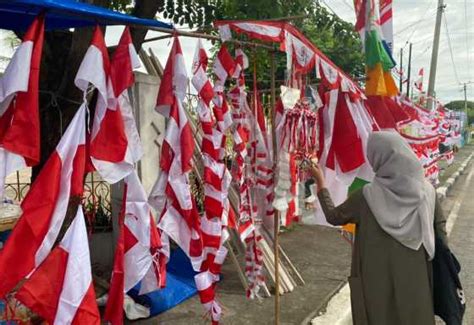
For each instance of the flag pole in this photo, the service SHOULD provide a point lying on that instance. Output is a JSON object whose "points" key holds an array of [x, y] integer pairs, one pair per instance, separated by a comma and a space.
{"points": [[409, 70], [400, 84], [434, 55], [276, 226]]}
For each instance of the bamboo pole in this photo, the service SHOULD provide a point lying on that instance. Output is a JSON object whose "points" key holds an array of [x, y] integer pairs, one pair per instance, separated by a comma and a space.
{"points": [[276, 226], [199, 35]]}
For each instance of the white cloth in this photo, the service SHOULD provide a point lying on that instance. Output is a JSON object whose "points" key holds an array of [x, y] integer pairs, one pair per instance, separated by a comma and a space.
{"points": [[400, 197]]}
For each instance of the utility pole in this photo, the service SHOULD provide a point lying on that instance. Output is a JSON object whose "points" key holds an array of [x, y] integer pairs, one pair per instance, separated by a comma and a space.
{"points": [[434, 54], [464, 89], [409, 70], [401, 71], [465, 96]]}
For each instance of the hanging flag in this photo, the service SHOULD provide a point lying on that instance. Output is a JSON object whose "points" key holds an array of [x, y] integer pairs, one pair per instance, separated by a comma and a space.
{"points": [[419, 80], [19, 105], [45, 206], [386, 22], [377, 54], [213, 229], [61, 290], [137, 256], [171, 195], [115, 144], [224, 67]]}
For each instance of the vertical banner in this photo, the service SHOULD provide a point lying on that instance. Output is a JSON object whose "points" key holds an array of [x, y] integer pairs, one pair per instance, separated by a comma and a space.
{"points": [[386, 22]]}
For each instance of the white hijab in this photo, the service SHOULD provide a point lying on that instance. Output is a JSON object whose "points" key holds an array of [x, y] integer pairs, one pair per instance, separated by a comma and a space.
{"points": [[400, 197]]}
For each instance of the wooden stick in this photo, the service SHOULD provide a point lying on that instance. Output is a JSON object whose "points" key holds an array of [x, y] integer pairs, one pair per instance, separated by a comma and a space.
{"points": [[147, 63], [276, 225], [156, 63], [285, 258], [242, 277], [292, 266], [203, 36]]}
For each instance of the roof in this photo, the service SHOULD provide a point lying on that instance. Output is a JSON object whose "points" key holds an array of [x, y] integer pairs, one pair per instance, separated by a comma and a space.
{"points": [[63, 14]]}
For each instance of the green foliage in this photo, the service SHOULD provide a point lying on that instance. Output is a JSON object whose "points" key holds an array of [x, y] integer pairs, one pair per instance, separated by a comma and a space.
{"points": [[336, 38], [458, 105], [121, 5]]}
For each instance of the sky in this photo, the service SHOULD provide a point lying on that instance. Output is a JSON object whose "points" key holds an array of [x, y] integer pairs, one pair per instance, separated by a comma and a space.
{"points": [[414, 22]]}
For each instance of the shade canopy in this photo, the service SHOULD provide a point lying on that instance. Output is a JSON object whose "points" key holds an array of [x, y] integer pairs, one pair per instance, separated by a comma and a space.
{"points": [[62, 14]]}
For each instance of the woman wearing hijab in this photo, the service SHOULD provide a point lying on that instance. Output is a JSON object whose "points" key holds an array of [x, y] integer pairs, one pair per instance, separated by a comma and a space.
{"points": [[396, 218]]}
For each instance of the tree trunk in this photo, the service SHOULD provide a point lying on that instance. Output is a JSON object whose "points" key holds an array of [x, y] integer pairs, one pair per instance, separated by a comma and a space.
{"points": [[63, 52], [62, 55]]}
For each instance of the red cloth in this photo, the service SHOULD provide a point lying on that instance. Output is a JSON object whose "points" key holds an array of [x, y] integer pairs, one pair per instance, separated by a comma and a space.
{"points": [[381, 113], [346, 144]]}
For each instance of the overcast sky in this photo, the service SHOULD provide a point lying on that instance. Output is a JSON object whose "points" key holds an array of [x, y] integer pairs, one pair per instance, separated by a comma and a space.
{"points": [[413, 22]]}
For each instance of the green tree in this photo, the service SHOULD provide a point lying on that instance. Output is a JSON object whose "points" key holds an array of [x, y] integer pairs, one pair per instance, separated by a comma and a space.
{"points": [[336, 38], [458, 105]]}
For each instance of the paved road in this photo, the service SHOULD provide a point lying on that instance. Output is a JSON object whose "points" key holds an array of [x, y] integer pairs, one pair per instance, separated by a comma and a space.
{"points": [[459, 206]]}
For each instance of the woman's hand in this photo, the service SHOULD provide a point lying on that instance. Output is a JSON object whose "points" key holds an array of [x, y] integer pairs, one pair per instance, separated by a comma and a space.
{"points": [[317, 174]]}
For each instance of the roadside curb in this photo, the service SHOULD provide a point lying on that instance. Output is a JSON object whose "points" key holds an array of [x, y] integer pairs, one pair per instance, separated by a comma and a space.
{"points": [[331, 312], [442, 191]]}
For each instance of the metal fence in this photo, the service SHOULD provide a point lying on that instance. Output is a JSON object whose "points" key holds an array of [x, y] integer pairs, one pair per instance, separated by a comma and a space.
{"points": [[96, 191]]}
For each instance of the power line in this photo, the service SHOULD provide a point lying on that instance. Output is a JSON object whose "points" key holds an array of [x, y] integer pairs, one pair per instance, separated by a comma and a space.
{"points": [[347, 4], [419, 21], [423, 18], [330, 8], [450, 48]]}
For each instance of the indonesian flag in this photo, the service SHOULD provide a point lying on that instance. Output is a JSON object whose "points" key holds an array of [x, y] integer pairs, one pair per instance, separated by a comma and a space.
{"points": [[215, 184], [61, 289], [241, 63], [386, 21], [45, 206], [19, 113], [419, 81], [171, 194], [224, 67], [115, 144], [137, 255], [200, 80]]}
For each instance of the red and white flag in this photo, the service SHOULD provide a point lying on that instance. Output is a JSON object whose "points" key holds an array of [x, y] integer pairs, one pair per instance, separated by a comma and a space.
{"points": [[171, 195], [137, 256], [386, 21], [200, 80], [213, 227], [45, 206], [224, 67], [61, 289], [19, 101], [419, 80], [115, 144]]}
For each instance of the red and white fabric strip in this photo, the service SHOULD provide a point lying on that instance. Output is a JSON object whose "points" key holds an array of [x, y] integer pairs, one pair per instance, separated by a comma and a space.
{"points": [[138, 251], [19, 105], [171, 195], [61, 289], [215, 184], [115, 143], [45, 206]]}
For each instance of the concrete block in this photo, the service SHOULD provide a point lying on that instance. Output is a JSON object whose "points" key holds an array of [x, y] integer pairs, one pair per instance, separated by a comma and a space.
{"points": [[450, 182], [442, 191]]}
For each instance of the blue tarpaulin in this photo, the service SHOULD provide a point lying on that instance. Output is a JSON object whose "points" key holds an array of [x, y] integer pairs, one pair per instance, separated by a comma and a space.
{"points": [[180, 285], [62, 14]]}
